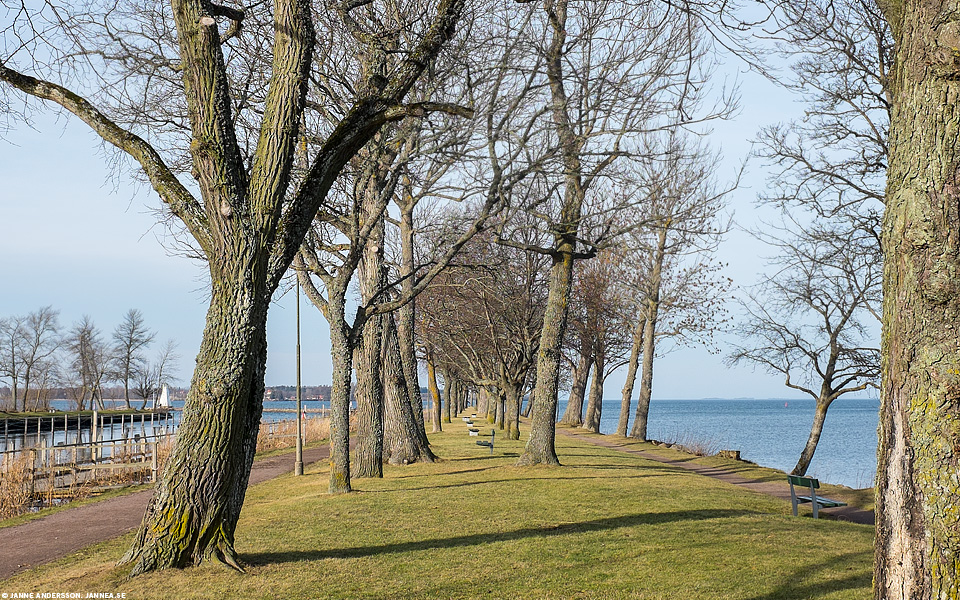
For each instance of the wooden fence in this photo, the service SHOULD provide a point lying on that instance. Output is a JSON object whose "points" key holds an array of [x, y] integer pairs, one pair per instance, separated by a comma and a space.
{"points": [[53, 470]]}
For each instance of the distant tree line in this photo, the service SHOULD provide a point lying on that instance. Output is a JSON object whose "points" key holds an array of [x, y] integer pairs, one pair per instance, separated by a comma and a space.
{"points": [[289, 392], [41, 360]]}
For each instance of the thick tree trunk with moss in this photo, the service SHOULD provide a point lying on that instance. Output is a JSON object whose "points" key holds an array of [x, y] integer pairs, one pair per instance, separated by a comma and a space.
{"points": [[501, 400], [627, 391], [216, 441], [819, 415], [434, 395], [573, 414], [918, 493], [595, 399]]}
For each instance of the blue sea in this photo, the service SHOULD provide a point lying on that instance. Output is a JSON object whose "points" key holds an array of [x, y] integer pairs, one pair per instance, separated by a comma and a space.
{"points": [[769, 432]]}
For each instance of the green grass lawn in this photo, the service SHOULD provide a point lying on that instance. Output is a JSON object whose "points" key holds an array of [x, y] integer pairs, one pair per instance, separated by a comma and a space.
{"points": [[605, 525]]}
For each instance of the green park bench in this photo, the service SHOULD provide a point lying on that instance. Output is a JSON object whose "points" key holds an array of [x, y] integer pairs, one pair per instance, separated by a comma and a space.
{"points": [[493, 435], [817, 502]]}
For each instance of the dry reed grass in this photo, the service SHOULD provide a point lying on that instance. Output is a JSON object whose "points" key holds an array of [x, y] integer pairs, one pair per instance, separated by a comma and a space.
{"points": [[16, 486], [282, 434]]}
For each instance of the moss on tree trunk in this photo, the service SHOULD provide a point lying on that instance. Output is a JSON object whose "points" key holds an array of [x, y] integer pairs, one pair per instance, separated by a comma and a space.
{"points": [[918, 492]]}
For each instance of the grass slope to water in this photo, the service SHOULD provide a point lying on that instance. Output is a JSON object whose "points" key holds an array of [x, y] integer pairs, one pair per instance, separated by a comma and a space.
{"points": [[605, 525]]}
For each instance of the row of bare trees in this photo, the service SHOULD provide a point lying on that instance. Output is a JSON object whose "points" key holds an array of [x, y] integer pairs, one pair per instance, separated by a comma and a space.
{"points": [[39, 354], [264, 107]]}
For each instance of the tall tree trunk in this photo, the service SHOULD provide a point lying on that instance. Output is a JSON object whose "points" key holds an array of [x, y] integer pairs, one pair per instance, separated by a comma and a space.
{"points": [[369, 353], [434, 394], [369, 395], [216, 441], [529, 407], [627, 391], [819, 415], [512, 410], [406, 316], [918, 455], [541, 447], [639, 430], [341, 354], [501, 406], [402, 441], [573, 415], [595, 401], [447, 396], [493, 402]]}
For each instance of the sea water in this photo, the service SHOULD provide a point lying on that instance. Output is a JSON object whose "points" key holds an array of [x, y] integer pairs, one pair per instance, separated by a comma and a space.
{"points": [[769, 432]]}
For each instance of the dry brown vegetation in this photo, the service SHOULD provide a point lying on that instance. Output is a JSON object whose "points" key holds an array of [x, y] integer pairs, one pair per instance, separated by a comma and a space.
{"points": [[282, 434]]}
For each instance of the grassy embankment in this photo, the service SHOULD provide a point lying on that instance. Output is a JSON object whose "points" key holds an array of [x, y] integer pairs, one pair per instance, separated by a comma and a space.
{"points": [[606, 525]]}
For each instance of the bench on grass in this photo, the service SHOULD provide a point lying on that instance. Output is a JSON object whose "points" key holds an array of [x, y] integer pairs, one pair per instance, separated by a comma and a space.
{"points": [[493, 434], [817, 502]]}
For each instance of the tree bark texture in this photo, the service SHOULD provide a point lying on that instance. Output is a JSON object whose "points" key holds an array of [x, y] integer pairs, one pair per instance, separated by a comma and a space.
{"points": [[573, 414], [342, 359], [186, 524], [369, 395], [447, 396], [512, 406], [627, 391], [434, 395], [819, 415], [402, 442], [369, 365], [918, 456], [595, 400]]}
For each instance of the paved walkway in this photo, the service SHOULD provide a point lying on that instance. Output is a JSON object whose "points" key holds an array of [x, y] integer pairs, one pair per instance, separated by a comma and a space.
{"points": [[49, 538], [770, 488]]}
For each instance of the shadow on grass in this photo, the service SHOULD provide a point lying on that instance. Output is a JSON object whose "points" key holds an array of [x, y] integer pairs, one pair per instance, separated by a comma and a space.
{"points": [[506, 480], [607, 524], [800, 587]]}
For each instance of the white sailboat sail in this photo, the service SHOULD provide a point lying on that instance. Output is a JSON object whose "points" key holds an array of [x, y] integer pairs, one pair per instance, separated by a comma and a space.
{"points": [[164, 400]]}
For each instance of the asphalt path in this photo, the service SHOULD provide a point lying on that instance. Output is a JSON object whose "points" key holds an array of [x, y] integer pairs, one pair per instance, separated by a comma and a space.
{"points": [[46, 539]]}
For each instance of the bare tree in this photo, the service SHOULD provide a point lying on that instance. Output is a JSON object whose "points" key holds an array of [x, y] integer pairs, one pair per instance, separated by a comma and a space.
{"points": [[89, 357], [679, 292], [613, 71], [130, 339], [807, 323], [222, 93], [12, 339], [150, 377], [29, 343]]}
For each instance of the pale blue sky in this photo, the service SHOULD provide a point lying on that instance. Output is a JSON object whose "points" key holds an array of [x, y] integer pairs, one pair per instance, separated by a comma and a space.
{"points": [[75, 237]]}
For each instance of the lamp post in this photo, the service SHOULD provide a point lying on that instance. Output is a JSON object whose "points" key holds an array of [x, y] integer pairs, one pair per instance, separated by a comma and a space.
{"points": [[298, 466]]}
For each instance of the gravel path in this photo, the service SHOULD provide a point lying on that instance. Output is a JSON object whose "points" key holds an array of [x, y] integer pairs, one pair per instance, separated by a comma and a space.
{"points": [[49, 538], [775, 489]]}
